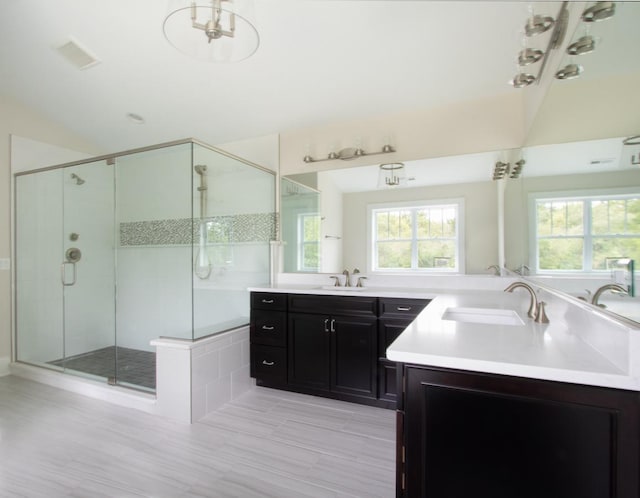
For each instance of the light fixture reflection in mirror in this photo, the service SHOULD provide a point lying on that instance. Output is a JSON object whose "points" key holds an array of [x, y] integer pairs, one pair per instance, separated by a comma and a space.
{"points": [[392, 175]]}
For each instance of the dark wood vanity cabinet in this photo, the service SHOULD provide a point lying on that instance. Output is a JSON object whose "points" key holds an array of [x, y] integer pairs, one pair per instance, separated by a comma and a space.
{"points": [[464, 434], [268, 332], [395, 316], [330, 346]]}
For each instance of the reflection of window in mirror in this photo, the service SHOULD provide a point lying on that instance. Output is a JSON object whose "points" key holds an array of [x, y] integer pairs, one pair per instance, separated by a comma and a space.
{"points": [[308, 242], [424, 236], [219, 245], [579, 232]]}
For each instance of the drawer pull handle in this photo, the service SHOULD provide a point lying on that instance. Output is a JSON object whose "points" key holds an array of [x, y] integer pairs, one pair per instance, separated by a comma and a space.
{"points": [[267, 327], [404, 308], [267, 301], [268, 363]]}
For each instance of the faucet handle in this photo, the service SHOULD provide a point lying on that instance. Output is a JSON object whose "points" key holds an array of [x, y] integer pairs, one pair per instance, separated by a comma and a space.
{"points": [[541, 315], [337, 284], [360, 279]]}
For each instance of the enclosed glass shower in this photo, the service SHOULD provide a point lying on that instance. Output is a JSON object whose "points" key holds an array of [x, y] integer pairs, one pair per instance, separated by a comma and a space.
{"points": [[116, 251]]}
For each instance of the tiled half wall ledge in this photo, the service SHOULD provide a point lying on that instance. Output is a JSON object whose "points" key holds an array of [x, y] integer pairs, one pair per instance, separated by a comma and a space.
{"points": [[195, 378]]}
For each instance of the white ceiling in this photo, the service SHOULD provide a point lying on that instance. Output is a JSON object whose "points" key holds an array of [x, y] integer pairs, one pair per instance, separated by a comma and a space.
{"points": [[319, 62]]}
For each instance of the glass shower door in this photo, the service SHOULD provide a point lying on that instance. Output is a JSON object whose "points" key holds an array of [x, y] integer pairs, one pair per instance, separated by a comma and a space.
{"points": [[87, 274]]}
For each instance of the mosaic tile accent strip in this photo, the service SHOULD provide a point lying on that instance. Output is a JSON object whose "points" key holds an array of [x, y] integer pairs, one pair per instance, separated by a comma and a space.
{"points": [[156, 232], [258, 227]]}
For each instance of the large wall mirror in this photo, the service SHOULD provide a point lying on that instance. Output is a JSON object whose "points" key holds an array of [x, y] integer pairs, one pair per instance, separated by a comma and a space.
{"points": [[574, 145]]}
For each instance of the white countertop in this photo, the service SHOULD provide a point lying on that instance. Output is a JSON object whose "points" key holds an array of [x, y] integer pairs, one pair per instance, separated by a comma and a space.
{"points": [[577, 346], [552, 351]]}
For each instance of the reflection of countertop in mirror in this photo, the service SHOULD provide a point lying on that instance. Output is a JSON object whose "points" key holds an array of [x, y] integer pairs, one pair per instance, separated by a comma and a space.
{"points": [[579, 345], [628, 307]]}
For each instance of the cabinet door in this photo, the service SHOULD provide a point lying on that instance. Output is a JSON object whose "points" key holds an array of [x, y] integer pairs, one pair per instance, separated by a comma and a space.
{"points": [[354, 356], [309, 350], [388, 330], [486, 435]]}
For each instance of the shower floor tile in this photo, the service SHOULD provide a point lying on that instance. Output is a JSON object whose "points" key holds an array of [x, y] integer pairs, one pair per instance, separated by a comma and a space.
{"points": [[133, 366]]}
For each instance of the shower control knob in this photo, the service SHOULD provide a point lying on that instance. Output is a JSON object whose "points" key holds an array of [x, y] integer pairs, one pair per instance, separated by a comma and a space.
{"points": [[74, 236], [73, 255]]}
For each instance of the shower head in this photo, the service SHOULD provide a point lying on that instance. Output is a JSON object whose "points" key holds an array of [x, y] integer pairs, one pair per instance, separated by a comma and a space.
{"points": [[200, 168], [79, 181]]}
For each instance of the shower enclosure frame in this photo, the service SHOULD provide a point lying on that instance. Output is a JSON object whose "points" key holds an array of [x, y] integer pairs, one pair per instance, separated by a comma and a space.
{"points": [[110, 159]]}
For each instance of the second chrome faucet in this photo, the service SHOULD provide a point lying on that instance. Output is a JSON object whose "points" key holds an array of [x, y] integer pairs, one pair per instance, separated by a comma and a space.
{"points": [[536, 309]]}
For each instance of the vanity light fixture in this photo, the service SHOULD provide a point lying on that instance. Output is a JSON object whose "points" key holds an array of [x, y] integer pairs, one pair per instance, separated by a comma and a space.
{"points": [[505, 170], [348, 154], [210, 30], [569, 72], [500, 170], [522, 79], [599, 12], [391, 175], [537, 25], [529, 56], [517, 169], [584, 45]]}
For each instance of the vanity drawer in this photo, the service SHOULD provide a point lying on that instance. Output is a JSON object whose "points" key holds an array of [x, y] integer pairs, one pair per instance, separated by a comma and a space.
{"points": [[268, 362], [269, 301], [269, 327], [333, 305], [399, 307]]}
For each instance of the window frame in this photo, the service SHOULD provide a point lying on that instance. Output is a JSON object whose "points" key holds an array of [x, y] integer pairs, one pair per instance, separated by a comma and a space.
{"points": [[585, 196], [456, 203]]}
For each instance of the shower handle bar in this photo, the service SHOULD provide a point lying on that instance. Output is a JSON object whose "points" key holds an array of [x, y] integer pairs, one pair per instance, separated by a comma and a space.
{"points": [[63, 273]]}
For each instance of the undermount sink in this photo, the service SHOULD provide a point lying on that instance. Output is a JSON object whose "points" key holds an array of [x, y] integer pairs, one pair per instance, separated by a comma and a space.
{"points": [[491, 316]]}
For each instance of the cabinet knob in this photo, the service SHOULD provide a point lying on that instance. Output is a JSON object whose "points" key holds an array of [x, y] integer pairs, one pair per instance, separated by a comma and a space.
{"points": [[268, 327], [268, 363], [267, 301], [403, 308]]}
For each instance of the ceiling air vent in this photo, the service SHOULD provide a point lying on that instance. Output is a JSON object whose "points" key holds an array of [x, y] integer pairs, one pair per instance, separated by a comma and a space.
{"points": [[76, 54]]}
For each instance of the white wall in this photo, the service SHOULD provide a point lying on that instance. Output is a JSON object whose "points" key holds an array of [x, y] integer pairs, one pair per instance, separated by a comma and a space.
{"points": [[17, 119], [468, 127]]}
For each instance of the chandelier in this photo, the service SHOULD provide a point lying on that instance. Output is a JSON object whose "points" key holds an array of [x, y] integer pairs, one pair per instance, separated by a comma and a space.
{"points": [[210, 30]]}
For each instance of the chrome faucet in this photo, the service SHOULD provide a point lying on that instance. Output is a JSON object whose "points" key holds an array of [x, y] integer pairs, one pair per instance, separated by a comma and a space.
{"points": [[536, 310], [495, 268], [347, 282], [611, 287]]}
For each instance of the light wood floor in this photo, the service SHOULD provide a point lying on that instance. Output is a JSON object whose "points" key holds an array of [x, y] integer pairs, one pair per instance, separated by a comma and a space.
{"points": [[54, 443]]}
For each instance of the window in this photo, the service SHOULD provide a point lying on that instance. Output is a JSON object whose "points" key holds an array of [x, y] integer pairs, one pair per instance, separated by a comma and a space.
{"points": [[419, 237], [308, 242], [584, 233]]}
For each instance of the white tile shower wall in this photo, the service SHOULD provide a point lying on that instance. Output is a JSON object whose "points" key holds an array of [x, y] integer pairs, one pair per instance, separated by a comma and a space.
{"points": [[89, 308], [39, 304], [220, 371], [154, 295]]}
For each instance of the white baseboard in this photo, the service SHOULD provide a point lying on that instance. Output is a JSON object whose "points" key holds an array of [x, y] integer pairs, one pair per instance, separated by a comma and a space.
{"points": [[4, 365], [112, 394]]}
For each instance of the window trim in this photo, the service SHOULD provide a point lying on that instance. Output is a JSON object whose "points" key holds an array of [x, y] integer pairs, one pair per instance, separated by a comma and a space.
{"points": [[458, 202], [583, 195]]}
